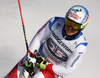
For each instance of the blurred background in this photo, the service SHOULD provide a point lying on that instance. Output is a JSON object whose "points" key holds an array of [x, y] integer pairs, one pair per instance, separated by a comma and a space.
{"points": [[35, 14]]}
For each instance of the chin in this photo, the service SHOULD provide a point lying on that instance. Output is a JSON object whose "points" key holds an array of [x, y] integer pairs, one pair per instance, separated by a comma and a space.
{"points": [[69, 33]]}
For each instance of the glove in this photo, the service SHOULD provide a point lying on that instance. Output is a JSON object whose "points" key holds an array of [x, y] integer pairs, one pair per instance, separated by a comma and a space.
{"points": [[29, 65], [32, 58], [38, 57], [32, 61], [42, 65]]}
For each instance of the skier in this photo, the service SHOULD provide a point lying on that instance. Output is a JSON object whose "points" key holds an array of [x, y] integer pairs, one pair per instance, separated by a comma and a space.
{"points": [[61, 43]]}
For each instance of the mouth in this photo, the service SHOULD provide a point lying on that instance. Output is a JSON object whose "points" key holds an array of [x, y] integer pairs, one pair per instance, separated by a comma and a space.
{"points": [[69, 30]]}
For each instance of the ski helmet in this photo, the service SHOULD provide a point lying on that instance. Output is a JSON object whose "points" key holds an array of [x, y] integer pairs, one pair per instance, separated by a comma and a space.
{"points": [[79, 15]]}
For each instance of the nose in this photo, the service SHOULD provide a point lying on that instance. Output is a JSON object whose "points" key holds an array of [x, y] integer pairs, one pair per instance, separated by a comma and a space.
{"points": [[70, 27]]}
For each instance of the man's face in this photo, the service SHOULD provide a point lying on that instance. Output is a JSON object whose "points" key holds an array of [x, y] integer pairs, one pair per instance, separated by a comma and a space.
{"points": [[71, 27], [70, 31]]}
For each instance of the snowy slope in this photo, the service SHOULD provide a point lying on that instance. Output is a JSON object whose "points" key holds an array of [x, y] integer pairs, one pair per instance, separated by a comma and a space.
{"points": [[35, 14]]}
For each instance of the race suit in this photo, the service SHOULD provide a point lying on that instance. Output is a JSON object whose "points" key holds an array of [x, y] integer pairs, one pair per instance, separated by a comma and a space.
{"points": [[63, 53]]}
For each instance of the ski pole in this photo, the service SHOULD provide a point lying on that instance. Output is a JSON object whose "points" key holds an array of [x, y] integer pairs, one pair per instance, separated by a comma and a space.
{"points": [[25, 37]]}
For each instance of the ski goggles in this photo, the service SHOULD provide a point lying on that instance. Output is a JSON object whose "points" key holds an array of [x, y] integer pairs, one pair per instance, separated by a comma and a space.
{"points": [[70, 23]]}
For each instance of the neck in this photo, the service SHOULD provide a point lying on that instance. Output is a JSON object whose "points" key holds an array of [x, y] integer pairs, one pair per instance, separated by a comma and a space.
{"points": [[72, 36]]}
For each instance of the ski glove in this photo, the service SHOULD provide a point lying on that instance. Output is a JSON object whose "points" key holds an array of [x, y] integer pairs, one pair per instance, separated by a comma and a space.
{"points": [[38, 57], [29, 65], [42, 65], [33, 58]]}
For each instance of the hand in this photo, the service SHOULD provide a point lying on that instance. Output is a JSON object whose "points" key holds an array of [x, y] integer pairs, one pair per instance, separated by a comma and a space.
{"points": [[38, 57], [30, 60], [33, 58], [29, 69], [29, 65], [42, 65]]}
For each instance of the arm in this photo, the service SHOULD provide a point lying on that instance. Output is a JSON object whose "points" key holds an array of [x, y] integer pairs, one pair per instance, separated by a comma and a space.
{"points": [[72, 63], [32, 53], [40, 36]]}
